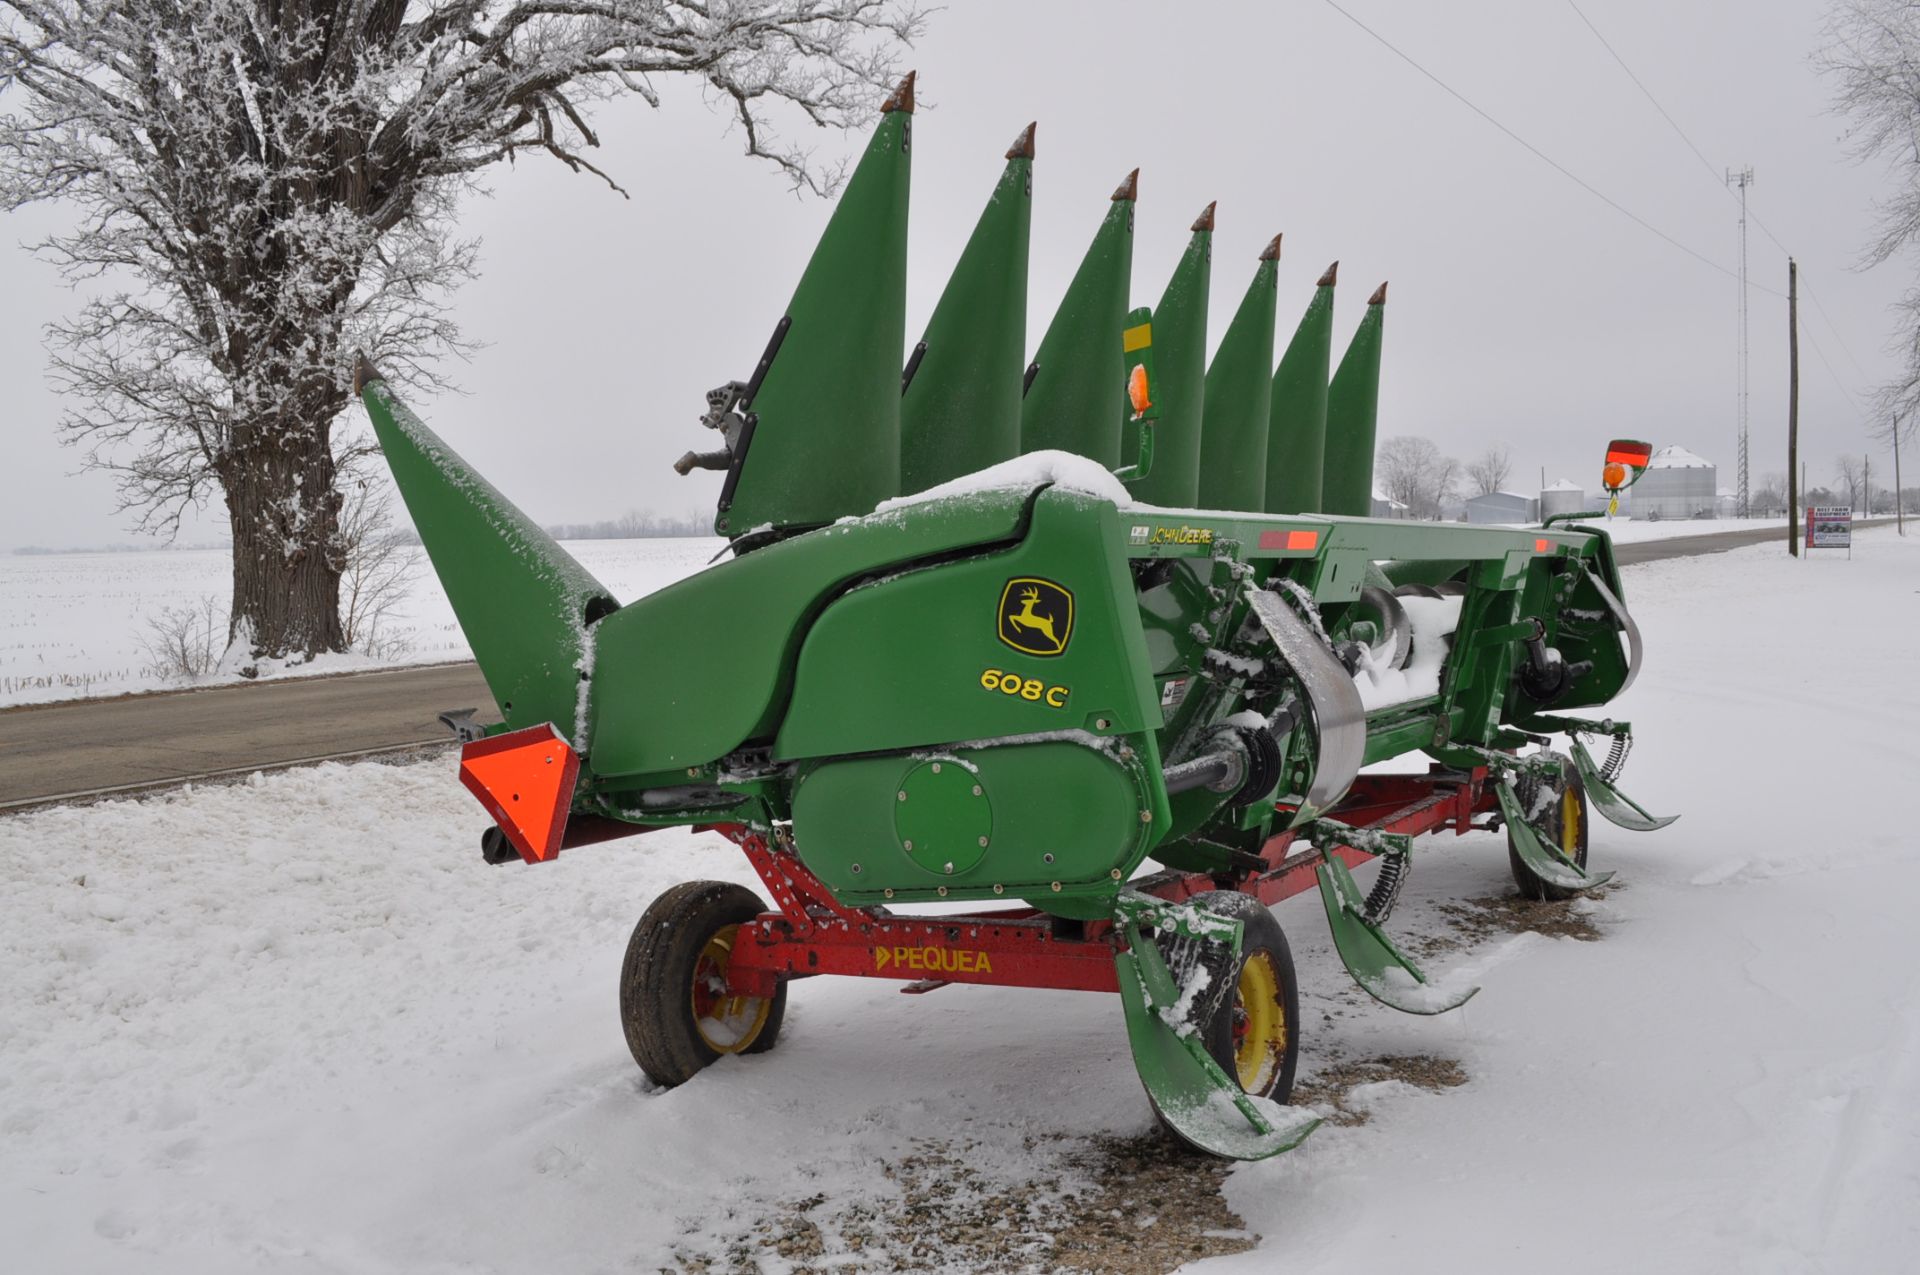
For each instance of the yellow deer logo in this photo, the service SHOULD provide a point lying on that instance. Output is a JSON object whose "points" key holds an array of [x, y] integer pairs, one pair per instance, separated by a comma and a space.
{"points": [[1036, 616]]}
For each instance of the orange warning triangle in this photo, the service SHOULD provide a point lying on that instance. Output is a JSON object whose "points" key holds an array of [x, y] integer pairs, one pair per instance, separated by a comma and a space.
{"points": [[525, 780]]}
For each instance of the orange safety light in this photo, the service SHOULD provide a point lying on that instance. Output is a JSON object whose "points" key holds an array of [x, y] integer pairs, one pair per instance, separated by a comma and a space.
{"points": [[1137, 389], [1614, 476], [525, 780]]}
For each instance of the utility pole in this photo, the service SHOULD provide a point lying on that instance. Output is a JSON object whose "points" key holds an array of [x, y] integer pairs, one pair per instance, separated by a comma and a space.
{"points": [[1793, 407], [1742, 179], [1866, 486]]}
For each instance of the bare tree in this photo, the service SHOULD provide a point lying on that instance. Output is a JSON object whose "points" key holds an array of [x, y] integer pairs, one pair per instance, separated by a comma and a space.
{"points": [[265, 186], [1848, 471], [183, 643], [1489, 473], [1771, 496], [1872, 52], [1413, 472], [380, 567]]}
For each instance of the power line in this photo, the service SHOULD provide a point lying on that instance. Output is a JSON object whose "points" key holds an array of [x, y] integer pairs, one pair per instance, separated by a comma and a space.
{"points": [[1747, 213], [1824, 362], [1713, 174], [1537, 153], [1648, 94], [1628, 213], [1834, 328]]}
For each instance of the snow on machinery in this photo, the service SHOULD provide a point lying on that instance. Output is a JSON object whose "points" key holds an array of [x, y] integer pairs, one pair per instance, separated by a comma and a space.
{"points": [[1128, 608]]}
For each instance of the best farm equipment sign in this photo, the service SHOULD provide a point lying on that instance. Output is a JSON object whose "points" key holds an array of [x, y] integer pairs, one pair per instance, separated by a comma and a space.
{"points": [[1830, 527]]}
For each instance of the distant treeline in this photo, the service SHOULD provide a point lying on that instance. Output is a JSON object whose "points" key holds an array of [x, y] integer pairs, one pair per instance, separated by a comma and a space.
{"points": [[633, 525], [148, 546]]}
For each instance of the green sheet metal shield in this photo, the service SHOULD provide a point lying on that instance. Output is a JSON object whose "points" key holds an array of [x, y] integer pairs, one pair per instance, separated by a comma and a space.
{"points": [[942, 816], [1353, 414], [1297, 437], [1239, 393]]}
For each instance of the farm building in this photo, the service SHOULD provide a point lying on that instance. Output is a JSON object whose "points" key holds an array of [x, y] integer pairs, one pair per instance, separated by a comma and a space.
{"points": [[1503, 506], [1562, 498], [1385, 506], [1677, 484]]}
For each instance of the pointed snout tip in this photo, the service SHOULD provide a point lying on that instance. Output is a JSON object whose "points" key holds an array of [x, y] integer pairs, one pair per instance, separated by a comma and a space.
{"points": [[364, 372], [1205, 220], [1331, 277], [1022, 147], [1379, 296], [1129, 190], [901, 99], [1272, 251]]}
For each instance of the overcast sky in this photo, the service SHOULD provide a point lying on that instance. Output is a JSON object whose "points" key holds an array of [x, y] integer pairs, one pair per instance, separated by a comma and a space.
{"points": [[1523, 309]]}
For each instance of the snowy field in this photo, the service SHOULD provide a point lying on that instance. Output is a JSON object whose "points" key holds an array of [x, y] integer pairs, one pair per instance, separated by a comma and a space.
{"points": [[75, 625], [296, 1025], [78, 625]]}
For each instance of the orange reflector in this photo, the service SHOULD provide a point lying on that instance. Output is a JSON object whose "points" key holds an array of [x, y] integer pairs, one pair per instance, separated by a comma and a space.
{"points": [[1541, 546], [1614, 476], [1137, 389], [525, 780], [1298, 541]]}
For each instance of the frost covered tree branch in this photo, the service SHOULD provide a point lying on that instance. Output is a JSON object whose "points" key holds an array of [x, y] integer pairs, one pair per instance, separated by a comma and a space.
{"points": [[1872, 55], [261, 188]]}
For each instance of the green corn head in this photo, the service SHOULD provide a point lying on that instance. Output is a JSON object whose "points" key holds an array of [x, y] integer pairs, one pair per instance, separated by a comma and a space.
{"points": [[1026, 684]]}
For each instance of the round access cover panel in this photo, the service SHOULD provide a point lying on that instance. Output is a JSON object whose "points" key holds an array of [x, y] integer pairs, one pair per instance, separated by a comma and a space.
{"points": [[942, 818]]}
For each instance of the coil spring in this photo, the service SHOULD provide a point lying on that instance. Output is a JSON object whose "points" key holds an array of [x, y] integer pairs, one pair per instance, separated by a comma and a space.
{"points": [[1386, 887], [1616, 757], [1185, 957]]}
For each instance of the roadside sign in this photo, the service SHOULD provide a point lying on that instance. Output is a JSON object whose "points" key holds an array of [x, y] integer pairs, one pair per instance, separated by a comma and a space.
{"points": [[1830, 527]]}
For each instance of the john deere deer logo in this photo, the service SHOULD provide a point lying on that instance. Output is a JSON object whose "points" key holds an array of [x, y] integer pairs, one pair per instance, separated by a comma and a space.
{"points": [[1036, 616]]}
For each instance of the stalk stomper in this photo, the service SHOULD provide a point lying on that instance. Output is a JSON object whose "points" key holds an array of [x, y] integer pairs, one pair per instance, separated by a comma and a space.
{"points": [[1006, 693]]}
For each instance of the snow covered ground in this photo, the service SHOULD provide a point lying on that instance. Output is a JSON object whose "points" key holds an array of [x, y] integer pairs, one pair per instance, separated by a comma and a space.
{"points": [[75, 625], [296, 1025]]}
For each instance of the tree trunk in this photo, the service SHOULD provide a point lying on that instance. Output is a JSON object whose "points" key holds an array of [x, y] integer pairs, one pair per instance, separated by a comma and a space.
{"points": [[284, 512]]}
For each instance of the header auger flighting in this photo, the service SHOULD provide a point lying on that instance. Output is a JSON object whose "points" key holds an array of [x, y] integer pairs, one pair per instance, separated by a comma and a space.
{"points": [[1017, 683]]}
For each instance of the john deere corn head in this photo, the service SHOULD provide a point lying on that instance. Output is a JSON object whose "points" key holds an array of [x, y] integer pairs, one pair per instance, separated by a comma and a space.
{"points": [[1089, 650]]}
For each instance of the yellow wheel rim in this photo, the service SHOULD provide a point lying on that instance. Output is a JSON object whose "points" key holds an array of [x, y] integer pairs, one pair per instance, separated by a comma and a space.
{"points": [[1570, 822], [727, 1023], [1259, 1025]]}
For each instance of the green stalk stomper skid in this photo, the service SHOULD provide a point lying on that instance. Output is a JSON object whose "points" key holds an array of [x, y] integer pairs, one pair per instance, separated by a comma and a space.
{"points": [[1004, 693]]}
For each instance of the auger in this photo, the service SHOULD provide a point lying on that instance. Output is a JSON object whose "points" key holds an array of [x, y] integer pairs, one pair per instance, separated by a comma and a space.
{"points": [[974, 647]]}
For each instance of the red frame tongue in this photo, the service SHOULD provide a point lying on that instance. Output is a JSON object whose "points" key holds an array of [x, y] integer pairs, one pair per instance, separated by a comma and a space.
{"points": [[525, 780]]}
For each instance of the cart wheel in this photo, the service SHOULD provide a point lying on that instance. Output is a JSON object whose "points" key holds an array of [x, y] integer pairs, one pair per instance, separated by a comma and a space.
{"points": [[673, 986], [1254, 1033], [1563, 823]]}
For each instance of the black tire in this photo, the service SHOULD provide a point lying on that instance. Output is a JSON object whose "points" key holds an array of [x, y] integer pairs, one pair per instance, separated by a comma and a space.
{"points": [[1263, 941], [666, 954], [1569, 807]]}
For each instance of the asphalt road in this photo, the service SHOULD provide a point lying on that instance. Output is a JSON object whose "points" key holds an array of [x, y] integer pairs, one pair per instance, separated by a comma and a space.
{"points": [[53, 752]]}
